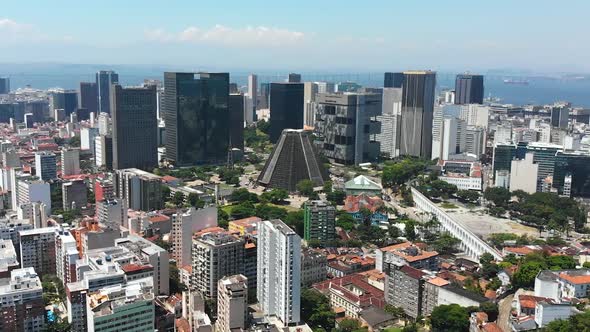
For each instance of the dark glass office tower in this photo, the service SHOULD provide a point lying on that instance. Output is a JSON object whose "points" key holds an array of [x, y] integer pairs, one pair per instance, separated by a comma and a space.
{"points": [[196, 113], [88, 97], [64, 99], [417, 113], [294, 78], [286, 108], [4, 85], [135, 126], [559, 116], [104, 79], [236, 111], [393, 80], [469, 89]]}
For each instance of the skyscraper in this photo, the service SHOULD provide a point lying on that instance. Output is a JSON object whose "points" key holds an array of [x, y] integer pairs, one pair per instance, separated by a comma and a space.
{"points": [[388, 137], [88, 96], [345, 126], [279, 271], [4, 85], [294, 78], [135, 141], [236, 122], [250, 111], [393, 80], [417, 113], [196, 113], [104, 79], [559, 116], [64, 99], [469, 89], [286, 108]]}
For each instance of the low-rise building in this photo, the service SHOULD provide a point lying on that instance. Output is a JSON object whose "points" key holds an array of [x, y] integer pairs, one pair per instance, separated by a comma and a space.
{"points": [[406, 253], [313, 267]]}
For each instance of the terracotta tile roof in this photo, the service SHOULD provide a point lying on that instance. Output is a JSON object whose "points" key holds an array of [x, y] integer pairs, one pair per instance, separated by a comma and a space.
{"points": [[159, 218], [370, 296], [169, 178], [576, 280], [134, 268], [187, 268], [355, 203], [402, 250], [214, 229], [529, 301], [519, 250], [490, 294], [412, 272], [491, 327], [182, 325], [438, 281], [246, 221]]}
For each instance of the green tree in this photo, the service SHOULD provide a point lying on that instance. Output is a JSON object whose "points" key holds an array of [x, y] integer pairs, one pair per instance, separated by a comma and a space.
{"points": [[524, 277], [491, 309], [327, 187], [195, 201], [243, 210], [263, 126], [586, 265], [345, 221], [349, 325], [176, 286], [446, 244], [316, 310], [275, 196], [578, 323], [410, 230], [222, 218], [242, 195], [177, 199], [561, 262], [336, 197], [294, 219], [498, 195], [449, 318], [470, 196], [412, 327], [305, 187]]}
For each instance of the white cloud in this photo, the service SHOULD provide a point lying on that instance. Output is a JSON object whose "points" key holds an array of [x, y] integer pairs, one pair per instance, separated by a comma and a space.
{"points": [[223, 35], [17, 32]]}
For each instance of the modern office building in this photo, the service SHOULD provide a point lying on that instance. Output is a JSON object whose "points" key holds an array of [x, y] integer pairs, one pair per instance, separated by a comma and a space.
{"points": [[417, 113], [135, 141], [320, 222], [393, 80], [294, 78], [293, 159], [46, 166], [346, 126], [279, 271], [70, 161], [576, 167], [475, 139], [503, 155], [37, 249], [88, 97], [22, 308], [123, 307], [252, 103], [104, 80], [389, 120], [560, 116], [74, 195], [196, 113], [4, 85], [475, 115], [232, 303], [66, 100], [452, 139], [236, 121], [286, 108], [215, 255], [469, 89], [141, 191]]}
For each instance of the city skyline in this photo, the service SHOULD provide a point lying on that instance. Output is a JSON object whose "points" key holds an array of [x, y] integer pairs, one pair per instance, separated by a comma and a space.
{"points": [[439, 36]]}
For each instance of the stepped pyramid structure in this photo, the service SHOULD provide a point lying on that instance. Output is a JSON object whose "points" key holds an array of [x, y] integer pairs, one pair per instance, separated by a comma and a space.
{"points": [[293, 159]]}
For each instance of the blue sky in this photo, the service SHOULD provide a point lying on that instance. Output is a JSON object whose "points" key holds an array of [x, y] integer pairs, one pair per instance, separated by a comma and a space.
{"points": [[539, 35]]}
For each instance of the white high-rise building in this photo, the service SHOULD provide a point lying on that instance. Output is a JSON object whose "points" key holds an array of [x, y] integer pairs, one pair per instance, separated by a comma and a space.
{"points": [[325, 87], [232, 303], [475, 115], [22, 306], [523, 174], [66, 255], [87, 137], [503, 133], [475, 140], [104, 124], [70, 162], [46, 166], [388, 137], [453, 137], [279, 271], [252, 100]]}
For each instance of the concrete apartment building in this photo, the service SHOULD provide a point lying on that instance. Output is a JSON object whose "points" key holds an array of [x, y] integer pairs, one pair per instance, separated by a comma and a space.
{"points": [[184, 225], [8, 258], [74, 195], [37, 249], [70, 162], [313, 267], [66, 255], [405, 253], [320, 222], [346, 126], [215, 255], [22, 308], [279, 271], [232, 303]]}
